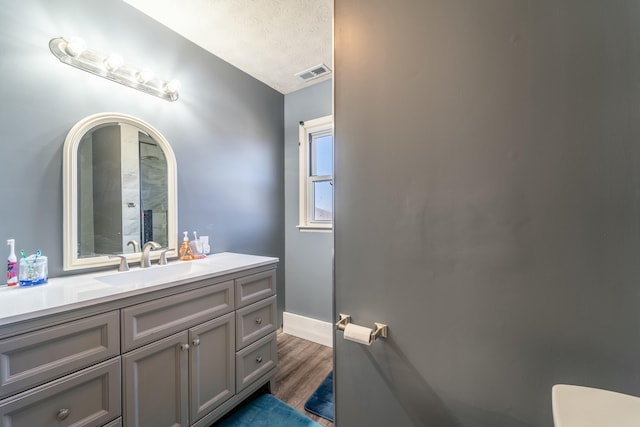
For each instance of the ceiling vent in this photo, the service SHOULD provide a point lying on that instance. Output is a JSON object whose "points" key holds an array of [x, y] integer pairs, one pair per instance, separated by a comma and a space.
{"points": [[314, 72]]}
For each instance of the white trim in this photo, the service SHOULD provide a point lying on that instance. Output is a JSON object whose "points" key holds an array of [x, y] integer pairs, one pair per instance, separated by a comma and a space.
{"points": [[308, 328], [71, 261], [305, 129], [315, 229]]}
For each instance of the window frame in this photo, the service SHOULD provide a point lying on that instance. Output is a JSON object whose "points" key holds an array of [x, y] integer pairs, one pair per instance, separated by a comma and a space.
{"points": [[319, 127]]}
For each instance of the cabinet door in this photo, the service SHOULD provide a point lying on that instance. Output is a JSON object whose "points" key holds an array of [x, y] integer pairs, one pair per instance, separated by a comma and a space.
{"points": [[155, 379], [212, 365]]}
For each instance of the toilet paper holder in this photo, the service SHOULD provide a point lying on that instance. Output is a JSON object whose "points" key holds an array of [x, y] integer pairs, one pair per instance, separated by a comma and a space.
{"points": [[379, 332]]}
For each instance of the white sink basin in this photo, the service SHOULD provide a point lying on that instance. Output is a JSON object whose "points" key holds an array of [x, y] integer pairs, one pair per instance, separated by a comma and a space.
{"points": [[578, 406], [154, 274]]}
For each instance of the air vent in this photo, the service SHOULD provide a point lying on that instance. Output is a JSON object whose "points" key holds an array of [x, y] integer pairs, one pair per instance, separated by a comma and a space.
{"points": [[314, 72]]}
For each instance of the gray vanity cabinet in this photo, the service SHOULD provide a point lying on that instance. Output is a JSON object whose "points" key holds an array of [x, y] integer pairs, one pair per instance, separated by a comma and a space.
{"points": [[88, 398], [256, 320], [63, 375], [256, 360], [155, 383], [168, 357], [149, 321], [212, 365], [176, 380], [43, 355], [255, 287]]}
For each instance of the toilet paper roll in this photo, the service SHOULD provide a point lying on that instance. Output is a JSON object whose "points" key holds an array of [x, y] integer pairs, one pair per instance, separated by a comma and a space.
{"points": [[358, 334]]}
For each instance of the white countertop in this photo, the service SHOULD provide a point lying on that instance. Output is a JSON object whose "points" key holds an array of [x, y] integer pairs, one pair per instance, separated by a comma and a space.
{"points": [[65, 293]]}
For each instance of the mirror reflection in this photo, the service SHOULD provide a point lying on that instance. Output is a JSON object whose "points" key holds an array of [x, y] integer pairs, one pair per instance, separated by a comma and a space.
{"points": [[119, 190], [122, 191]]}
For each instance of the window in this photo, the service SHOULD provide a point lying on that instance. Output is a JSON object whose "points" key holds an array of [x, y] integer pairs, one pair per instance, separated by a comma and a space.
{"points": [[316, 174]]}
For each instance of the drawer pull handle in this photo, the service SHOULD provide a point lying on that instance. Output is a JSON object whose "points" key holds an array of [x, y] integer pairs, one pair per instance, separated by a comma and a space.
{"points": [[259, 359], [184, 347], [259, 321], [196, 342], [62, 414]]}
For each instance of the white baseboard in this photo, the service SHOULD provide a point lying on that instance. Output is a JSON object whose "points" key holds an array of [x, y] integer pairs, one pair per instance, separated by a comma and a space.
{"points": [[308, 328]]}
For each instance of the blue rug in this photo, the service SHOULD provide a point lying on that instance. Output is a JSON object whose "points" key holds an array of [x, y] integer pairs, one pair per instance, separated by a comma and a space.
{"points": [[264, 411], [321, 401]]}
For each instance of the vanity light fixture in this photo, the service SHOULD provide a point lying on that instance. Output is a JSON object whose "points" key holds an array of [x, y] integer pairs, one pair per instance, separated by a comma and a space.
{"points": [[75, 52]]}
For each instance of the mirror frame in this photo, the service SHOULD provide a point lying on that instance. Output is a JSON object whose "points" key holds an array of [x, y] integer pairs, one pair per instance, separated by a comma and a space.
{"points": [[71, 261]]}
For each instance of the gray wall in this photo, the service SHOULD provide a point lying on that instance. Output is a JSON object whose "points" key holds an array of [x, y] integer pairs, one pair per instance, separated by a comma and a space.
{"points": [[494, 222], [226, 129], [309, 254]]}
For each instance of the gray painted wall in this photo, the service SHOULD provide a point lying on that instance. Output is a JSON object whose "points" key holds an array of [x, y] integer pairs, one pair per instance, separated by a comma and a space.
{"points": [[494, 221], [226, 129], [309, 254]]}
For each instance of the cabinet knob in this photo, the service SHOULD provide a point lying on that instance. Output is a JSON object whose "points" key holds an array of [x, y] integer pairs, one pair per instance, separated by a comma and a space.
{"points": [[259, 359], [62, 414], [184, 347], [259, 320], [196, 342]]}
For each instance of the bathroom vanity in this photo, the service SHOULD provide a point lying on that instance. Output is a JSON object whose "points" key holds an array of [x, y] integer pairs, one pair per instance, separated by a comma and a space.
{"points": [[176, 345]]}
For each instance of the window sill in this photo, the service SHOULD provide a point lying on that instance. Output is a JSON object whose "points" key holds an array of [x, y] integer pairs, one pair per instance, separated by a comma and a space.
{"points": [[315, 228]]}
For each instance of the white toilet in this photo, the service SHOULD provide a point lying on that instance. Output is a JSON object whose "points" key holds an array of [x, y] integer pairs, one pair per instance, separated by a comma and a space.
{"points": [[578, 406]]}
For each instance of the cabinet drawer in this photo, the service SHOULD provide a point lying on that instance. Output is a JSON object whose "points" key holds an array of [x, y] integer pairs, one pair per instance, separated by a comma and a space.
{"points": [[256, 360], [255, 321], [37, 357], [150, 321], [253, 288], [90, 397]]}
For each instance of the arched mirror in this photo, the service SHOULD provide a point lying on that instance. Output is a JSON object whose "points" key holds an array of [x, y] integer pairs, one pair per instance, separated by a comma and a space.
{"points": [[119, 191]]}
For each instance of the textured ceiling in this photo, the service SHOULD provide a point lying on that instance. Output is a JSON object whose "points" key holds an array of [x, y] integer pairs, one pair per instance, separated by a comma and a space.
{"points": [[271, 40]]}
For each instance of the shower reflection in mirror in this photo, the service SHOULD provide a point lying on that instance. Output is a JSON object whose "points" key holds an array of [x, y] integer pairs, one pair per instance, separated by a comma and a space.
{"points": [[122, 191]]}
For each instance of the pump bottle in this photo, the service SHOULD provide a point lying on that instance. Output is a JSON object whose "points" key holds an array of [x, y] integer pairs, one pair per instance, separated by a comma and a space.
{"points": [[185, 249], [12, 265]]}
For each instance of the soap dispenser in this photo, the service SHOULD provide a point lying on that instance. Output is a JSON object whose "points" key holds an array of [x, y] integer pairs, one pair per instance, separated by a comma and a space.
{"points": [[185, 249]]}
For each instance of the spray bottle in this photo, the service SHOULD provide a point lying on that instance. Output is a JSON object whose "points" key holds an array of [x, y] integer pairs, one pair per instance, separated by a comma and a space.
{"points": [[12, 265]]}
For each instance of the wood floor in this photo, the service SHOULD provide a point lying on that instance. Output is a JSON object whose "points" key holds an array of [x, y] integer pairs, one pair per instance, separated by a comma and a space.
{"points": [[302, 365]]}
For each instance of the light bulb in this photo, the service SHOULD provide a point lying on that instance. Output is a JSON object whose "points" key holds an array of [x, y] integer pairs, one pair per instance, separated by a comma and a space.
{"points": [[113, 62], [172, 86], [75, 46], [145, 75]]}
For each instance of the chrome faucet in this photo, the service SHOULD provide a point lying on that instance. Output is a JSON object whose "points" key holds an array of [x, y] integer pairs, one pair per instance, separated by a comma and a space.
{"points": [[136, 246], [124, 265], [145, 261], [163, 256]]}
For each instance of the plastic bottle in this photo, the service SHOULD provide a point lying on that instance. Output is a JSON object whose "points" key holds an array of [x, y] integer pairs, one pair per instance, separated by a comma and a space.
{"points": [[185, 249], [12, 265]]}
